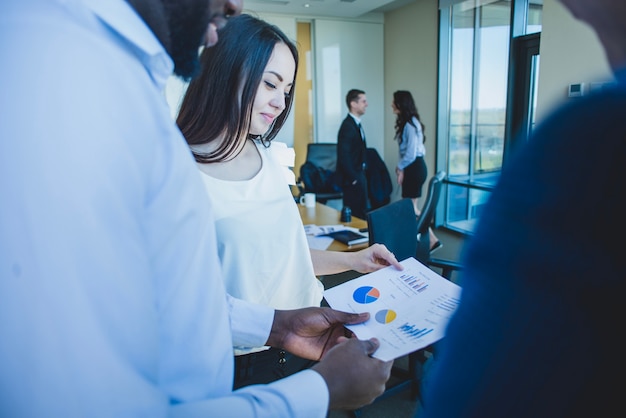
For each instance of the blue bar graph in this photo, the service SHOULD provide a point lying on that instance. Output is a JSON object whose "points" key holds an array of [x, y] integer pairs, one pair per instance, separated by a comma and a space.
{"points": [[414, 332], [414, 282]]}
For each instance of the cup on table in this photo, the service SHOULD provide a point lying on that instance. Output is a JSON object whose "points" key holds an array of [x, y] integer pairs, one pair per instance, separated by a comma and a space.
{"points": [[308, 200]]}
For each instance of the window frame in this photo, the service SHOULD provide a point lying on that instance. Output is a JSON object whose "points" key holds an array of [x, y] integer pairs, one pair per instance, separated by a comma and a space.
{"points": [[476, 186]]}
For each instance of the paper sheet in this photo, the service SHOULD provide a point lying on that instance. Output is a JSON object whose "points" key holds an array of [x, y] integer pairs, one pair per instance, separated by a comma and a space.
{"points": [[315, 234], [316, 230], [409, 309], [319, 242]]}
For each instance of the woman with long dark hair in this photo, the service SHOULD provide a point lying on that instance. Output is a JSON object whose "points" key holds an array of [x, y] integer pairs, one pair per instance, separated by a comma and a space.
{"points": [[230, 115], [411, 171]]}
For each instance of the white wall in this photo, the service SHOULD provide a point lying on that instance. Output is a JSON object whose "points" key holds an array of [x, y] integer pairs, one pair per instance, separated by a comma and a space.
{"points": [[348, 55], [411, 53], [570, 52]]}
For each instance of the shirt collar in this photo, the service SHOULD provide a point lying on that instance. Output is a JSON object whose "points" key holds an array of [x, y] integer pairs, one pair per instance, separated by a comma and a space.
{"points": [[122, 19], [356, 119]]}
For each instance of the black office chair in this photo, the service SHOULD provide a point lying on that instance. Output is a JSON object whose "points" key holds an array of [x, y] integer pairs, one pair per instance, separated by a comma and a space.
{"points": [[424, 221], [317, 174], [395, 225]]}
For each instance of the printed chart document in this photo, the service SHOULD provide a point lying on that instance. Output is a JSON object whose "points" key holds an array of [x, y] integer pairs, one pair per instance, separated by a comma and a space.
{"points": [[409, 309]]}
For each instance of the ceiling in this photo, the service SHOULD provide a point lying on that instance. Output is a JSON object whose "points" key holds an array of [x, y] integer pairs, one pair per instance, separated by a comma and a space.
{"points": [[323, 8]]}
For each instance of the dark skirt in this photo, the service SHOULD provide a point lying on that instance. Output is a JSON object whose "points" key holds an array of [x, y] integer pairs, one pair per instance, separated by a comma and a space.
{"points": [[414, 178]]}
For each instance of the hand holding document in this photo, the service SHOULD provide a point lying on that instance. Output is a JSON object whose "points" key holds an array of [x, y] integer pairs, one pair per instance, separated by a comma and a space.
{"points": [[409, 309]]}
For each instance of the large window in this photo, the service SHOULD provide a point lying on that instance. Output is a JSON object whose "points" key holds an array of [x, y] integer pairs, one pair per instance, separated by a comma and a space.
{"points": [[475, 80]]}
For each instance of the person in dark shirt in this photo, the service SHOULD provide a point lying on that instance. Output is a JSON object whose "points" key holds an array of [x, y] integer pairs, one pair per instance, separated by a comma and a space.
{"points": [[537, 332]]}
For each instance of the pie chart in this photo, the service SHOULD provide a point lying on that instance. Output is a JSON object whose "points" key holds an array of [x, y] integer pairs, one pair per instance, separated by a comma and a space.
{"points": [[366, 294], [385, 316]]}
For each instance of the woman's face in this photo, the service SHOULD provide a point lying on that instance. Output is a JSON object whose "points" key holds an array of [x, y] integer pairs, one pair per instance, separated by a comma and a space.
{"points": [[394, 108], [274, 89]]}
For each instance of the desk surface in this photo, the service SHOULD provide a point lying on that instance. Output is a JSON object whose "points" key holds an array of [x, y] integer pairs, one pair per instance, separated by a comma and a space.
{"points": [[325, 215]]}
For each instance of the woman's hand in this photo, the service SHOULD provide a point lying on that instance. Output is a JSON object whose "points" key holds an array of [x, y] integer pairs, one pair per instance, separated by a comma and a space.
{"points": [[400, 176], [373, 258]]}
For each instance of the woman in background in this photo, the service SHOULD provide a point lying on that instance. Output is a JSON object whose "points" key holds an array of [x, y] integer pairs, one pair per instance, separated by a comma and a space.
{"points": [[411, 171], [229, 115]]}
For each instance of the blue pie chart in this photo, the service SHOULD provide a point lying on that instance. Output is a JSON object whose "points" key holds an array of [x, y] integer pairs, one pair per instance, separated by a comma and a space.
{"points": [[366, 294]]}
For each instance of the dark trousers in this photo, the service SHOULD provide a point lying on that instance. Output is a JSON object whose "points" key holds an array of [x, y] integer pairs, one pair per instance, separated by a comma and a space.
{"points": [[355, 196], [267, 366]]}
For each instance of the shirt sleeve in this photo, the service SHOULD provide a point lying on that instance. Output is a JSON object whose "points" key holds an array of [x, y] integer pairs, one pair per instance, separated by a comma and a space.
{"points": [[251, 323], [303, 394], [408, 146]]}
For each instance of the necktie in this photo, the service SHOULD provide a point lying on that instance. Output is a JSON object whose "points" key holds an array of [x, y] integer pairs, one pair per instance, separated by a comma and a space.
{"points": [[364, 144], [362, 132]]}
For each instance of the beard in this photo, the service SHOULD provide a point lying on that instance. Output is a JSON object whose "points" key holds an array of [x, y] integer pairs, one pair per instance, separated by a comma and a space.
{"points": [[187, 21]]}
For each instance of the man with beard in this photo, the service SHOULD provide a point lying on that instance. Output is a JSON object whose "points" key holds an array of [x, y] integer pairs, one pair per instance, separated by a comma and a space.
{"points": [[111, 296], [537, 331]]}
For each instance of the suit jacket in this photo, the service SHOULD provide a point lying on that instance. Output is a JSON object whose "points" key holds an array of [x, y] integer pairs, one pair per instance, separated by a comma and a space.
{"points": [[379, 185], [351, 151]]}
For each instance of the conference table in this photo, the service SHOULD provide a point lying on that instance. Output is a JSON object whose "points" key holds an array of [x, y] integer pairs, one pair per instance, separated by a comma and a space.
{"points": [[325, 215]]}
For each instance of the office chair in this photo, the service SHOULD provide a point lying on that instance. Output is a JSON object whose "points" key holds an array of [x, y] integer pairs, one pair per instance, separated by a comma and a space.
{"points": [[318, 172], [396, 226], [424, 221]]}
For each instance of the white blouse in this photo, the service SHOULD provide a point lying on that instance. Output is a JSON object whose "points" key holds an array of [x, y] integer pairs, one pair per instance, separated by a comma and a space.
{"points": [[261, 240]]}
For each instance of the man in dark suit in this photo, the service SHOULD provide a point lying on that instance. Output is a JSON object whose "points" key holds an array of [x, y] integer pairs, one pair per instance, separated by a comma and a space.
{"points": [[537, 331], [351, 155]]}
